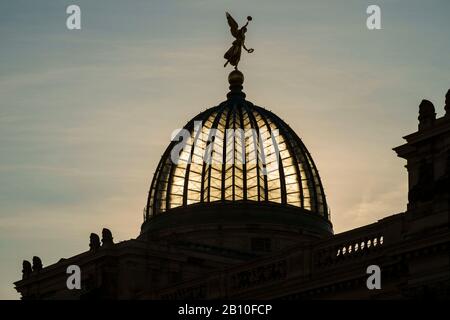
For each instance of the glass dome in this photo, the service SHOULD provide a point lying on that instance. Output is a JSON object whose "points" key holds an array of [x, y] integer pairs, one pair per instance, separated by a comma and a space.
{"points": [[236, 151]]}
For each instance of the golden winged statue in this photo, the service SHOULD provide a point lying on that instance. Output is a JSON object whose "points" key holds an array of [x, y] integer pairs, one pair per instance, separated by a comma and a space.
{"points": [[233, 55]]}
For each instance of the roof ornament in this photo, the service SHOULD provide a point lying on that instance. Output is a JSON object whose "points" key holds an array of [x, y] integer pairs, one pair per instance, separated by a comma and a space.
{"points": [[37, 264], [427, 114], [26, 269], [447, 104], [94, 242], [233, 55], [107, 238]]}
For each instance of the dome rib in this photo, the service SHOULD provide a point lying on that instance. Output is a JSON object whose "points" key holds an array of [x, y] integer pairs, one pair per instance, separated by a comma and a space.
{"points": [[280, 161], [186, 189], [259, 150], [208, 157], [244, 155], [224, 154]]}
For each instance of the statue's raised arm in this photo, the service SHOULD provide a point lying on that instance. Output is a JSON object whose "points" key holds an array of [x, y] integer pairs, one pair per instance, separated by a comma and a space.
{"points": [[233, 55]]}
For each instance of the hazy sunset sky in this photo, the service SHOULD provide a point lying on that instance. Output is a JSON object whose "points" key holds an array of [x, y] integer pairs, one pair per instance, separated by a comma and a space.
{"points": [[86, 115]]}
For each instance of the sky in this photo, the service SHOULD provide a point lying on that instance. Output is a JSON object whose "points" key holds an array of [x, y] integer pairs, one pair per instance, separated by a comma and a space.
{"points": [[85, 115]]}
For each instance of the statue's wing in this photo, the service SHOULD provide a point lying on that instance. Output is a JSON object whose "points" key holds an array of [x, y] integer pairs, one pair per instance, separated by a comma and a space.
{"points": [[233, 25]]}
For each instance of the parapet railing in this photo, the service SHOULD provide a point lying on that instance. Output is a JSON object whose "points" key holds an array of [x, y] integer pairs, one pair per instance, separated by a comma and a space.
{"points": [[358, 242]]}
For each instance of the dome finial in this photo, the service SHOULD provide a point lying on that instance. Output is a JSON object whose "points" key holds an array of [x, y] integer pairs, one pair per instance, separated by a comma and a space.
{"points": [[236, 80]]}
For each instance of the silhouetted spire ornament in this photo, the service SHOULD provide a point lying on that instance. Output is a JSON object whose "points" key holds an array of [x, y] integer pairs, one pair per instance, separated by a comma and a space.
{"points": [[26, 269], [447, 104], [233, 55], [94, 242], [37, 264], [427, 114], [107, 238], [236, 157]]}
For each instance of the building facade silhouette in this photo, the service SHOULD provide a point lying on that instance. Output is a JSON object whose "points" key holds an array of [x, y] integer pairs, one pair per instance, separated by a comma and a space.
{"points": [[243, 215]]}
